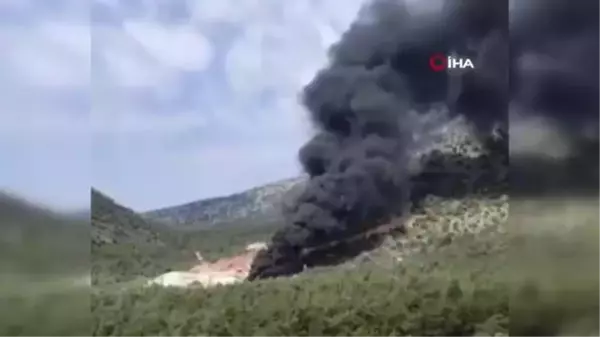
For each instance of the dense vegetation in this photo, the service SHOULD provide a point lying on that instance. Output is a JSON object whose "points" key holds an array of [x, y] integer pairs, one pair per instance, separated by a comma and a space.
{"points": [[45, 308], [439, 295], [126, 261], [36, 241], [543, 283], [43, 255], [529, 280], [126, 246]]}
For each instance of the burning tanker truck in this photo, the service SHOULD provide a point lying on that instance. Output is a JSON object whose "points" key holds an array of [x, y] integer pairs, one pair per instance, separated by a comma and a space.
{"points": [[363, 106]]}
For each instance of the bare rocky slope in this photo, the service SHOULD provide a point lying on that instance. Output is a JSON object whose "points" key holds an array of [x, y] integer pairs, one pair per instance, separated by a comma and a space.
{"points": [[260, 204]]}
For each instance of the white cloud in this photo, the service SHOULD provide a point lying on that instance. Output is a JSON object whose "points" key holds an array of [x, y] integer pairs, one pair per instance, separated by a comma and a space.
{"points": [[151, 143], [146, 54], [44, 81], [133, 123], [335, 15], [40, 67], [181, 47], [46, 54], [122, 63], [240, 140], [274, 57], [229, 11], [283, 51]]}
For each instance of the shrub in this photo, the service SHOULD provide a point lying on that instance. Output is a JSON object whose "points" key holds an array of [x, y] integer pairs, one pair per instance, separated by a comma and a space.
{"points": [[432, 296]]}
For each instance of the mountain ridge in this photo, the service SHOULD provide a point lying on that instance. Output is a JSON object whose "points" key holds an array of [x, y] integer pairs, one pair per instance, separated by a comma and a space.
{"points": [[126, 246], [258, 203], [114, 223]]}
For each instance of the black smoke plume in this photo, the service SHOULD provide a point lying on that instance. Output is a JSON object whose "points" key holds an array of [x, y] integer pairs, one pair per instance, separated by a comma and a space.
{"points": [[555, 47], [358, 161], [555, 57]]}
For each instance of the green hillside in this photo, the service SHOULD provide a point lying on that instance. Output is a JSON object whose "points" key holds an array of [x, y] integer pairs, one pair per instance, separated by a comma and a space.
{"points": [[116, 224], [495, 282], [34, 240], [126, 246], [44, 265]]}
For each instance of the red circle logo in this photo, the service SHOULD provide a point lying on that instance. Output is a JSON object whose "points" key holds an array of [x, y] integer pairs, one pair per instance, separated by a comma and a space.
{"points": [[437, 62]]}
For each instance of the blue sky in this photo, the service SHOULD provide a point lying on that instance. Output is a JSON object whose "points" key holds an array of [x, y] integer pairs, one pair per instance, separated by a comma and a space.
{"points": [[156, 102]]}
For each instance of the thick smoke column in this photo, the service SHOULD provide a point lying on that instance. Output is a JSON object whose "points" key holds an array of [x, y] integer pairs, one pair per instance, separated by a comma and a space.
{"points": [[358, 161], [554, 78], [555, 47]]}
